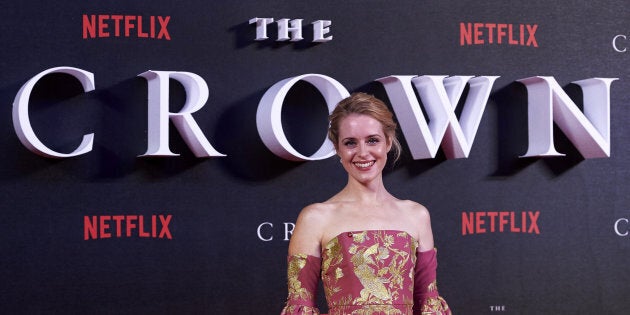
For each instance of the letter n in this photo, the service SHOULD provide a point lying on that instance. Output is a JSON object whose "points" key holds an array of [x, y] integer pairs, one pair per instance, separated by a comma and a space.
{"points": [[90, 227], [465, 34], [89, 26], [547, 103], [468, 223]]}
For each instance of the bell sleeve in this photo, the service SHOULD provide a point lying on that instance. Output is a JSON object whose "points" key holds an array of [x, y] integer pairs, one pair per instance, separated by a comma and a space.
{"points": [[427, 300], [303, 274]]}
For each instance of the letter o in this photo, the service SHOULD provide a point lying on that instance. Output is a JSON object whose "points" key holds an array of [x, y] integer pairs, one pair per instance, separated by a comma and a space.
{"points": [[269, 120]]}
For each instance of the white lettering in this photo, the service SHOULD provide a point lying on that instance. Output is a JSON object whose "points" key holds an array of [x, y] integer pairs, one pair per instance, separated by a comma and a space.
{"points": [[295, 29], [497, 308], [158, 129], [321, 28], [261, 27], [440, 95], [614, 43], [588, 131], [288, 230], [269, 119], [22, 123], [293, 26], [258, 231], [617, 227]]}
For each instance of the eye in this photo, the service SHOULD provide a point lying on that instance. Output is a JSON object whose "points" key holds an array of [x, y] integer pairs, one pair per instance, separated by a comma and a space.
{"points": [[373, 140], [350, 143]]}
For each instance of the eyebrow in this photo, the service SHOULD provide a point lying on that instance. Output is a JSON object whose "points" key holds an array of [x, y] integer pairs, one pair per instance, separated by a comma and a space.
{"points": [[369, 136]]}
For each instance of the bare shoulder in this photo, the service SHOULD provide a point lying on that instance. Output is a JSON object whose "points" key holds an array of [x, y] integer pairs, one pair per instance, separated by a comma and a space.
{"points": [[418, 215], [309, 228], [418, 212], [314, 214]]}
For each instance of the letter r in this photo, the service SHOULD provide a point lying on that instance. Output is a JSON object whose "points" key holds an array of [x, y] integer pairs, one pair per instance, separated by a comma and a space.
{"points": [[158, 129]]}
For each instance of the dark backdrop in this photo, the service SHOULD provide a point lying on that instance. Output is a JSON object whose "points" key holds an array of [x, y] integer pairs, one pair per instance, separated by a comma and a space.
{"points": [[216, 263]]}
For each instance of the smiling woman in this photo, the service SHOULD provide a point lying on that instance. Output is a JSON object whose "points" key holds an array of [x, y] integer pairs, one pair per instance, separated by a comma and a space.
{"points": [[361, 140], [367, 106], [373, 251]]}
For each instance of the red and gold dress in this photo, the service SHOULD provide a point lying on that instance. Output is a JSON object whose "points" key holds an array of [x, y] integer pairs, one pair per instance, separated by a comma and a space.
{"points": [[366, 273]]}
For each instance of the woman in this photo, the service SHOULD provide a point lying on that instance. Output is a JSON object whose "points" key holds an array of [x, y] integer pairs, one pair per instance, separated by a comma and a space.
{"points": [[374, 252]]}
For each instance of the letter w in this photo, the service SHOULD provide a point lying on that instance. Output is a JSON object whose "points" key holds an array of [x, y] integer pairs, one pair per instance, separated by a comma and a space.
{"points": [[440, 96], [589, 131]]}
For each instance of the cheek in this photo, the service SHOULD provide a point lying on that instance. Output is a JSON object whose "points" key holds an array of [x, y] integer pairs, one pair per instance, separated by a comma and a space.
{"points": [[383, 150], [343, 153]]}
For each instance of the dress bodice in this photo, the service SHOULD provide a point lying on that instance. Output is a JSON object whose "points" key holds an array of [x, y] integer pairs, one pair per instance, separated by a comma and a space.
{"points": [[374, 272], [366, 272]]}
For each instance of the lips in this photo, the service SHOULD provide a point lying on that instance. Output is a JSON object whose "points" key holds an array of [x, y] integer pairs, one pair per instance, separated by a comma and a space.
{"points": [[364, 164]]}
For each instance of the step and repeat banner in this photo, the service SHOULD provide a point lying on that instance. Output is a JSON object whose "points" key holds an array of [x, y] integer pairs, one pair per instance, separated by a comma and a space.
{"points": [[155, 154]]}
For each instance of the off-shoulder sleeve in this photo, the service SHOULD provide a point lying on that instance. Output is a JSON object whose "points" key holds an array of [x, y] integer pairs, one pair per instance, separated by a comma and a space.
{"points": [[427, 300], [303, 274]]}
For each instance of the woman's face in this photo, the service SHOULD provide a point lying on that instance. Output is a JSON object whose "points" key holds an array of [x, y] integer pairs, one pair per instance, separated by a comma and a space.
{"points": [[362, 147]]}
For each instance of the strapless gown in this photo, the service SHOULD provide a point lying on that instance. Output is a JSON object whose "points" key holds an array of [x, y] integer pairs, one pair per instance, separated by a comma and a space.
{"points": [[366, 273]]}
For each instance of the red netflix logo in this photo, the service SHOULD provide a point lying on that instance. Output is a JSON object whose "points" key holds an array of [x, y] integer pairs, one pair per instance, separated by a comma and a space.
{"points": [[118, 25], [497, 33], [500, 221], [107, 226]]}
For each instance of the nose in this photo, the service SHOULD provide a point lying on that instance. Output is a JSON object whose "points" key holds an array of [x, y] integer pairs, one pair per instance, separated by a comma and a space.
{"points": [[363, 150]]}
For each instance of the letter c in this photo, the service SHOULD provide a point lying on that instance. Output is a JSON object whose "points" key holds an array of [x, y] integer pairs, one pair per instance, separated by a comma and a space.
{"points": [[260, 235], [22, 123], [614, 43], [617, 227]]}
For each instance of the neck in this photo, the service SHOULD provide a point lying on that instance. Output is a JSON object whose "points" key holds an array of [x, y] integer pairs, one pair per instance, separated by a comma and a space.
{"points": [[372, 193]]}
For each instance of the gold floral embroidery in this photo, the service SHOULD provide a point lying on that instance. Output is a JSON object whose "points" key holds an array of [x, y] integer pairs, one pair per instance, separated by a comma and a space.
{"points": [[300, 309], [359, 237], [372, 272], [333, 252], [338, 273], [296, 291], [435, 306], [332, 256], [378, 309], [380, 267]]}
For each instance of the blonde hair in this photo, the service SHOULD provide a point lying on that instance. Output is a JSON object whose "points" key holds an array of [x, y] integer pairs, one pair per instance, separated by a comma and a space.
{"points": [[364, 104]]}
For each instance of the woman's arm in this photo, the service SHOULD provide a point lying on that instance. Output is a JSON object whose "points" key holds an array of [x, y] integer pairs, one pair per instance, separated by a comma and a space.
{"points": [[304, 264]]}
